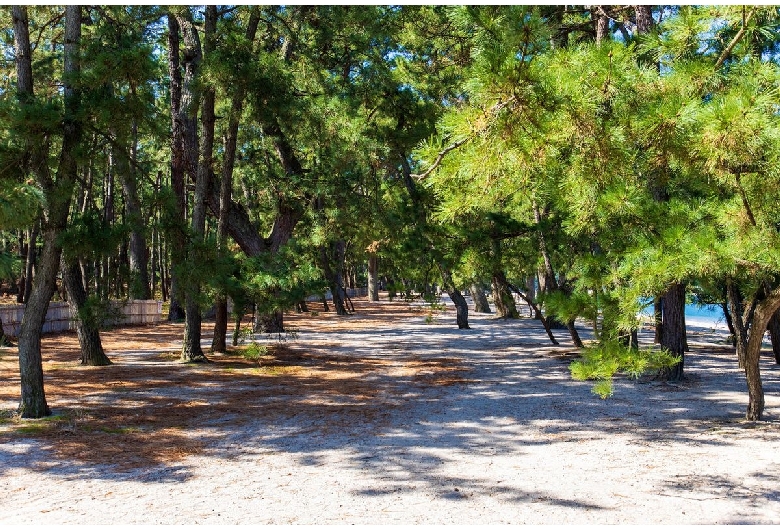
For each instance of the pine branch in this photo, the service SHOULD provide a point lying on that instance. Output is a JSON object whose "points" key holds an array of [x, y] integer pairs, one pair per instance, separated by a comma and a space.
{"points": [[440, 157], [738, 37]]}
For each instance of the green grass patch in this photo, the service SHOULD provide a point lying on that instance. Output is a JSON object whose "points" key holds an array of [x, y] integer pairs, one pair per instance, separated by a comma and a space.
{"points": [[254, 352]]}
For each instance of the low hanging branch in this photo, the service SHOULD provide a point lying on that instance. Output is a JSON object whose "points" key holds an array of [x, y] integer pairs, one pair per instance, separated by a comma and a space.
{"points": [[537, 312]]}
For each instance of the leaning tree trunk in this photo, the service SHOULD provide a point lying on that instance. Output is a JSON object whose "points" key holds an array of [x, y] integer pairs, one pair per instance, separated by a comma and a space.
{"points": [[87, 324], [502, 297], [673, 323], [481, 304], [761, 317], [58, 195], [461, 307]]}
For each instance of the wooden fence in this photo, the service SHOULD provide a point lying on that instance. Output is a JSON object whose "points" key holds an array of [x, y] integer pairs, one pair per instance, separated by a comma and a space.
{"points": [[60, 317]]}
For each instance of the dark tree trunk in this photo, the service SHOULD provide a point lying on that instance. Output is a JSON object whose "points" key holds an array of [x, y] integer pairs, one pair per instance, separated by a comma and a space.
{"points": [[329, 257], [218, 343], [139, 275], [87, 321], [58, 196], [674, 330], [373, 287], [461, 307], [502, 297], [729, 322], [538, 313], [575, 336], [481, 304], [774, 333], [198, 162], [736, 308], [658, 308], [176, 239]]}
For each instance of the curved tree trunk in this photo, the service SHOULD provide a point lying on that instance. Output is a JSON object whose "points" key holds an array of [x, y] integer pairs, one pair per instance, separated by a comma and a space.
{"points": [[502, 297], [461, 307], [58, 196], [537, 313], [763, 314], [481, 304], [87, 325]]}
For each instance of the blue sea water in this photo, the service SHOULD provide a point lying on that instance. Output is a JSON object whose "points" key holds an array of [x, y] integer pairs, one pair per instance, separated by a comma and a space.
{"points": [[709, 316]]}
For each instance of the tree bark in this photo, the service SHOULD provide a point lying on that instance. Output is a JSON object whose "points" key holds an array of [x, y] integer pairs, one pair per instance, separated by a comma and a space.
{"points": [[29, 266], [139, 263], [761, 317], [176, 240], [644, 19], [219, 341], [373, 278], [481, 304], [461, 307], [537, 313], [601, 21], [87, 324], [58, 196], [674, 329], [191, 350], [332, 260], [502, 297]]}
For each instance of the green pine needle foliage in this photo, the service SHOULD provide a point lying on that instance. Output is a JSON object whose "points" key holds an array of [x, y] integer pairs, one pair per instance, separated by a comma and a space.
{"points": [[600, 363]]}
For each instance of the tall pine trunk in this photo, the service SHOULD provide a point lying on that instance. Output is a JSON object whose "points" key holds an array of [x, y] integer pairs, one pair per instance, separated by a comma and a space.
{"points": [[202, 161], [673, 323], [176, 240], [219, 340], [58, 194]]}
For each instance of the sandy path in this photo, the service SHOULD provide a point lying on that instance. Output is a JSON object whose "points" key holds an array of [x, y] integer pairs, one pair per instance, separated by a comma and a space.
{"points": [[473, 426]]}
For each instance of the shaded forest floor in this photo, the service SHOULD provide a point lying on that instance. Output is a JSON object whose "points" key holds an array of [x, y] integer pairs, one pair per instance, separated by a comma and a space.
{"points": [[390, 415]]}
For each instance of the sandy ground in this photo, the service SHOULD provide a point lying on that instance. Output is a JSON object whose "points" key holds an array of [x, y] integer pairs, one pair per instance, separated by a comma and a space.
{"points": [[383, 418]]}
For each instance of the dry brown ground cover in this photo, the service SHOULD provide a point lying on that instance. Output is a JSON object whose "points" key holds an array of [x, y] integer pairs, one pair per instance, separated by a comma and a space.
{"points": [[149, 408]]}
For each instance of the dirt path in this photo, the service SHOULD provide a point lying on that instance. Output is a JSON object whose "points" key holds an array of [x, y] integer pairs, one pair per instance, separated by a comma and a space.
{"points": [[384, 418]]}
